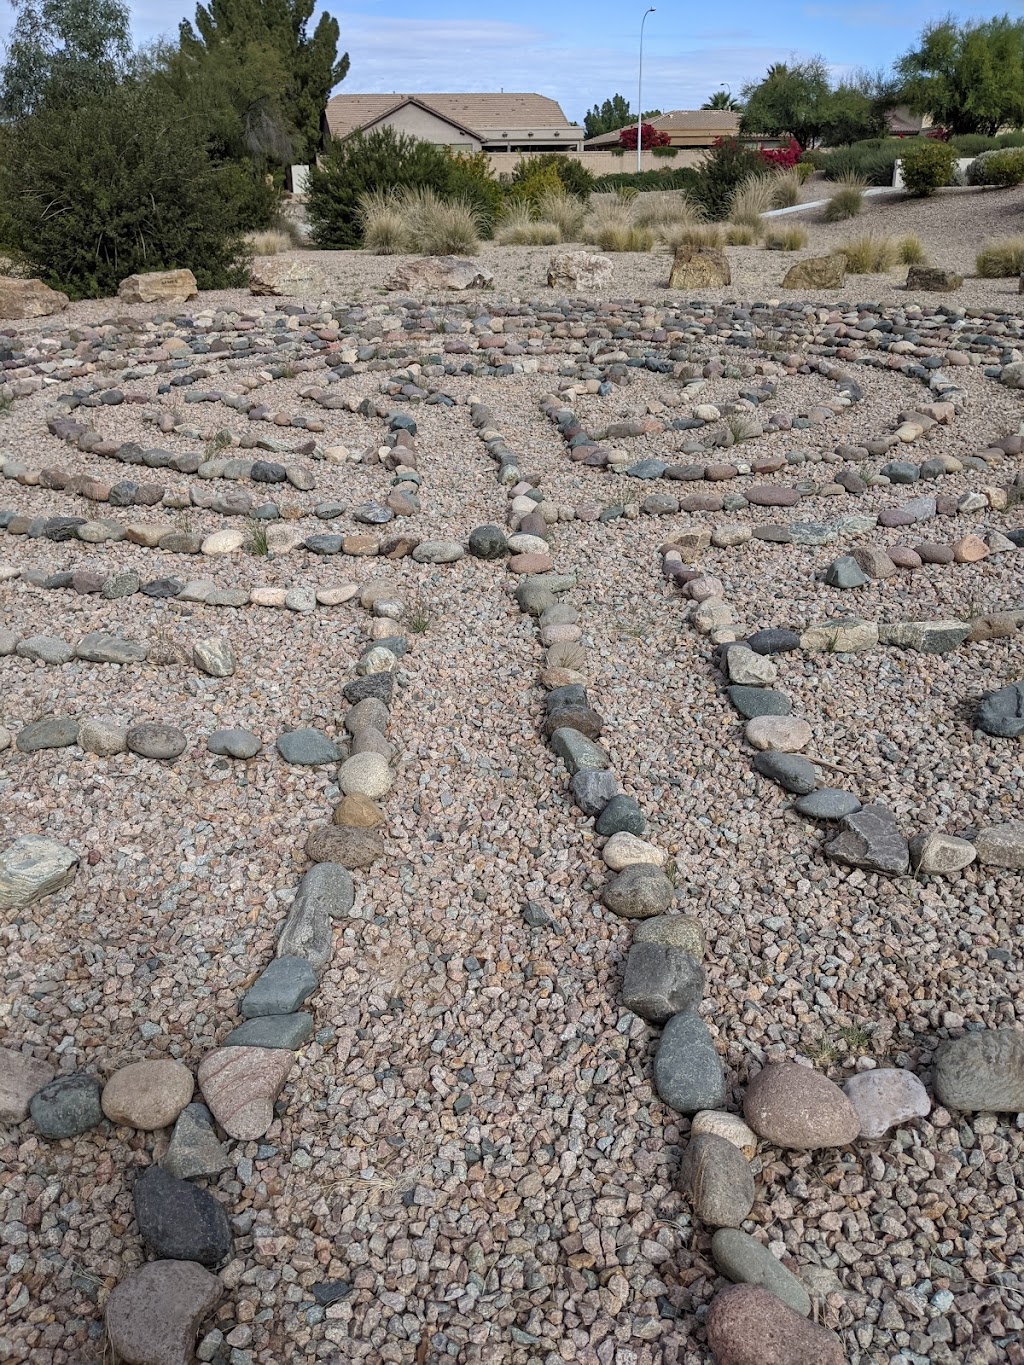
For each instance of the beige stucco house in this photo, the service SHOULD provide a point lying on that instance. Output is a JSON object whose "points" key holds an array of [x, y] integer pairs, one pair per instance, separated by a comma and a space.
{"points": [[467, 123], [685, 128]]}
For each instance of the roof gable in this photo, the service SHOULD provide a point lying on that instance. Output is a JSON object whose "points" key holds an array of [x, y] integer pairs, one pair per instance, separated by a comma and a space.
{"points": [[471, 112]]}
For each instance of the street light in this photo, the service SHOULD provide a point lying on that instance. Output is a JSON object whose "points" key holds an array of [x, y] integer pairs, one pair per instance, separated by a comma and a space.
{"points": [[640, 88]]}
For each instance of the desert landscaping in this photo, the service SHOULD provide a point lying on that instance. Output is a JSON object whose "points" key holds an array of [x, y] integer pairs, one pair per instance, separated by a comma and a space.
{"points": [[512, 755]]}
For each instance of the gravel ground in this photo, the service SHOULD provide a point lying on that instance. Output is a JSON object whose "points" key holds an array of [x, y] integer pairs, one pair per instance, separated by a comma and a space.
{"points": [[543, 1222]]}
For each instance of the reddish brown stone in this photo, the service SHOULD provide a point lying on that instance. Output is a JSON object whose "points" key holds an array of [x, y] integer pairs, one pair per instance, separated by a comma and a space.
{"points": [[530, 564], [747, 1325]]}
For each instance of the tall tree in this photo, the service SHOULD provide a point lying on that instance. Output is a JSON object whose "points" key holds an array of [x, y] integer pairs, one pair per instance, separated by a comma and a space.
{"points": [[968, 77], [63, 52], [790, 100], [607, 117], [721, 99], [299, 69]]}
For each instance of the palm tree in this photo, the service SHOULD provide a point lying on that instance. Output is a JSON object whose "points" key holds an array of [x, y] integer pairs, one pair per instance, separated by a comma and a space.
{"points": [[721, 99]]}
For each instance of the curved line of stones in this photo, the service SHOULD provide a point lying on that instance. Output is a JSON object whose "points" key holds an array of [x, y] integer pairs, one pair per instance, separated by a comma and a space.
{"points": [[242, 1079], [867, 837]]}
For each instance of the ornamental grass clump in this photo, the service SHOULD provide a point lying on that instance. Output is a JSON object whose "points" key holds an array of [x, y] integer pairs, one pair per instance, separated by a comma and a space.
{"points": [[675, 235], [1000, 258], [793, 238], [787, 188], [872, 254], [911, 250], [612, 227], [753, 197], [516, 226], [847, 201], [440, 227], [383, 223], [566, 211]]}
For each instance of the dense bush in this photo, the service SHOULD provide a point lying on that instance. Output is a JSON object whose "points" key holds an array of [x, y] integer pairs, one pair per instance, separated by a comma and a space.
{"points": [[649, 137], [723, 170], [1002, 167], [1011, 139], [973, 144], [120, 184], [872, 161], [928, 166], [471, 179], [1001, 258], [785, 158], [575, 177], [682, 179]]}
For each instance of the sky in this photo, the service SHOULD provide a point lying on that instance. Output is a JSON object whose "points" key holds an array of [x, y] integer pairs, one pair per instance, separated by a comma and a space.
{"points": [[580, 52]]}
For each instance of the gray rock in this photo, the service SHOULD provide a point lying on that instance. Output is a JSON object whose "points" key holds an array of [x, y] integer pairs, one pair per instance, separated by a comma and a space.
{"points": [[46, 649], [638, 892], [687, 1071], [927, 637], [55, 732], [153, 740], [438, 552], [827, 803], [103, 736], [885, 1097], [1001, 713], [1002, 845], [748, 669], [593, 788], [308, 746], [368, 714], [718, 1179], [534, 598], [676, 931], [67, 1106], [280, 989], [791, 771], [179, 1221], [870, 838], [845, 572], [194, 1151], [982, 1072], [488, 542], [622, 814], [744, 1260], [660, 981], [938, 854], [759, 701], [214, 657], [325, 893], [773, 641], [101, 647], [272, 1030], [234, 743], [123, 584], [577, 752]]}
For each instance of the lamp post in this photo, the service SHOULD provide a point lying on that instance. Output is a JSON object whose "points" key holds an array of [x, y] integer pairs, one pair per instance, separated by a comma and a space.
{"points": [[640, 88]]}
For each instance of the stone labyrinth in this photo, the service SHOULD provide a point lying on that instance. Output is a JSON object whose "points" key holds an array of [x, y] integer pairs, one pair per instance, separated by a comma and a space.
{"points": [[512, 836]]}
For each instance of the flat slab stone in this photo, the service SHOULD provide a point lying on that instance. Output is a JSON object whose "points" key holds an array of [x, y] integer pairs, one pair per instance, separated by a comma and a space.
{"points": [[577, 752], [20, 1077], [54, 732], [982, 1072], [280, 989], [240, 1085], [101, 647], [33, 867], [273, 1030], [792, 772], [325, 894], [998, 846], [308, 746], [153, 1316], [758, 701], [870, 838]]}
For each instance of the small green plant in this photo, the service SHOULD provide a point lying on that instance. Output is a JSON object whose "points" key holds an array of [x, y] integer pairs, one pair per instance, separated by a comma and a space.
{"points": [[517, 227], [287, 370], [418, 620], [872, 254], [911, 250], [856, 1038], [1000, 258], [847, 201], [786, 239], [928, 165], [6, 402], [256, 540]]}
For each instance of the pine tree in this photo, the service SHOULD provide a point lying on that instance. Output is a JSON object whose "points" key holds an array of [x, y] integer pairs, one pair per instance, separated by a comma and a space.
{"points": [[298, 69]]}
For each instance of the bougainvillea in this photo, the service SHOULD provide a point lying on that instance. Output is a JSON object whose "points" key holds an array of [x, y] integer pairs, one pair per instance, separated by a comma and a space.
{"points": [[783, 157], [649, 137]]}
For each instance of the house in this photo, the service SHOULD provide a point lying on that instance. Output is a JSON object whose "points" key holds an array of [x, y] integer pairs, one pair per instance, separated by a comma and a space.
{"points": [[685, 128], [465, 123], [902, 123]]}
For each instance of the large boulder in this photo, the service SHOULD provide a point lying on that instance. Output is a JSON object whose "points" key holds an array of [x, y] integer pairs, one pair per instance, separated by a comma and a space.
{"points": [[20, 299], [817, 272], [279, 275], [933, 279], [159, 286], [439, 272], [699, 267], [578, 270]]}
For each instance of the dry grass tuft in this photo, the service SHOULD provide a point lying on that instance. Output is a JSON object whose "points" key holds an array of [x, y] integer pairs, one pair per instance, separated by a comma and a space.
{"points": [[383, 222], [517, 227], [676, 235], [1000, 258], [792, 238], [788, 189], [847, 201], [419, 221], [755, 196], [741, 234], [269, 243], [872, 254], [911, 250], [612, 227], [565, 211]]}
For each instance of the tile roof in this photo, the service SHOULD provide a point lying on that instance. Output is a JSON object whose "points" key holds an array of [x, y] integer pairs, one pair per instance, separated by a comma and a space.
{"points": [[472, 112], [711, 123]]}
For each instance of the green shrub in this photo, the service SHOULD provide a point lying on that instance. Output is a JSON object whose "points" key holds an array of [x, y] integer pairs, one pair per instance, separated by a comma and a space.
{"points": [[669, 153], [1001, 258], [724, 168], [1015, 139], [872, 161], [805, 168], [117, 185], [530, 189], [682, 179], [379, 160], [575, 177], [1002, 167], [470, 178], [786, 238], [928, 165], [973, 144]]}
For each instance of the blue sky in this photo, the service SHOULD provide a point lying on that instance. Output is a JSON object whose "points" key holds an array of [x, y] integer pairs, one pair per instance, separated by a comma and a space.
{"points": [[582, 51]]}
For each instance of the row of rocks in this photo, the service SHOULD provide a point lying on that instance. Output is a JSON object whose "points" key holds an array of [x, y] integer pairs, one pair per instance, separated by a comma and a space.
{"points": [[869, 563], [213, 656], [867, 836]]}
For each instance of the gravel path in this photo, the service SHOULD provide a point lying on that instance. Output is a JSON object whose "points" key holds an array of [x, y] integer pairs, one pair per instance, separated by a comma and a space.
{"points": [[471, 1150]]}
